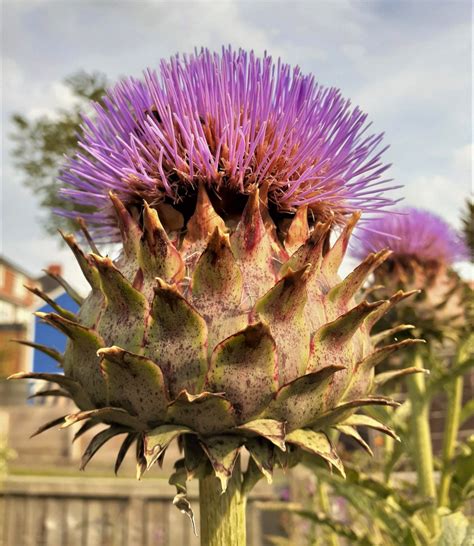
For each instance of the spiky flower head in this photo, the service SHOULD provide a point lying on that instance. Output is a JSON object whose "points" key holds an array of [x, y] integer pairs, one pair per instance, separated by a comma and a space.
{"points": [[413, 234], [231, 121], [224, 323], [424, 249]]}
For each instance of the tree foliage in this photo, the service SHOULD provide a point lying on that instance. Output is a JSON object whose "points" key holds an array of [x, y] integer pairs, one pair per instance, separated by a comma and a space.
{"points": [[41, 143]]}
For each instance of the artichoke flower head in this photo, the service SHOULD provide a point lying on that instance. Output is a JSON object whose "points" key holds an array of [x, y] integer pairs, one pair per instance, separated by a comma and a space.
{"points": [[223, 323], [424, 250]]}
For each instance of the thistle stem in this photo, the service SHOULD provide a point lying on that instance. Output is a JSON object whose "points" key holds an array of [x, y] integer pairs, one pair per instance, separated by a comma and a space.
{"points": [[451, 429], [222, 514], [325, 503], [422, 448]]}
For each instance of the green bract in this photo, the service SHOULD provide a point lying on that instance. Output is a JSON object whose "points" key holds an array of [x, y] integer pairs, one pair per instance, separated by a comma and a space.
{"points": [[224, 337]]}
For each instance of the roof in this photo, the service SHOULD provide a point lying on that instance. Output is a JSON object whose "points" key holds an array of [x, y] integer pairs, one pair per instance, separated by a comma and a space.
{"points": [[17, 268]]}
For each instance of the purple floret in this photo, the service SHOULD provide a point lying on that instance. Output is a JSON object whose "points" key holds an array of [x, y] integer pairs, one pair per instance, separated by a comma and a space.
{"points": [[412, 234], [232, 121]]}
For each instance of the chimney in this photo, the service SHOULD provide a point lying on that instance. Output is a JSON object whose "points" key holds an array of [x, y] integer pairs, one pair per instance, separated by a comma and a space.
{"points": [[55, 269]]}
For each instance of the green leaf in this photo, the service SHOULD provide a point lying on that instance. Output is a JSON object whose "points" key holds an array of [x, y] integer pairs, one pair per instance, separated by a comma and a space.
{"points": [[261, 452], [98, 441], [454, 530]]}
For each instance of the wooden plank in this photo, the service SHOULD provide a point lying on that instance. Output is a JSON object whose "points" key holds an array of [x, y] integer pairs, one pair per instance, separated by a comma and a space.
{"points": [[135, 520], [156, 525], [75, 522], [54, 521], [114, 523], [93, 531]]}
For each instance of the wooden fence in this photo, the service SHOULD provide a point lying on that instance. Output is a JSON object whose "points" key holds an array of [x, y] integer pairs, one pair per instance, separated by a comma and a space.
{"points": [[38, 511]]}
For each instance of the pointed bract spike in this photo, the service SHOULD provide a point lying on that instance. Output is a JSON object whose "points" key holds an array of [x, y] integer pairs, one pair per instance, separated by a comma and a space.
{"points": [[246, 358], [282, 308], [253, 249], [316, 443], [309, 253], [97, 442], [385, 377], [342, 412], [328, 340], [298, 232], [67, 287], [171, 219], [353, 433], [87, 268], [345, 290], [116, 416], [49, 425], [124, 316], [175, 327], [359, 420], [49, 351], [222, 451], [158, 255], [50, 392], [135, 383], [129, 228], [204, 220], [379, 355], [77, 392], [298, 402], [374, 317], [206, 413], [158, 439], [84, 428], [217, 277], [126, 444], [333, 259], [60, 310], [377, 338], [270, 429], [87, 235], [262, 454], [73, 330]]}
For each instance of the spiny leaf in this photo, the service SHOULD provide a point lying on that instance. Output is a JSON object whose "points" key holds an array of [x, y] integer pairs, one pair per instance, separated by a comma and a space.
{"points": [[385, 377], [377, 338], [316, 443], [272, 430], [247, 358], [49, 351], [126, 444], [67, 287], [333, 258], [206, 413], [117, 416], [282, 308], [97, 442], [204, 220], [298, 231], [158, 439], [177, 340], [50, 392], [299, 402], [222, 452], [60, 310], [178, 479], [344, 291], [135, 383], [252, 247], [48, 425], [359, 420], [261, 452], [352, 432]]}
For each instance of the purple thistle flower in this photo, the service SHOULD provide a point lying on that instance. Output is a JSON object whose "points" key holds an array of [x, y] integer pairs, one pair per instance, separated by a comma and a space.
{"points": [[232, 121], [412, 234]]}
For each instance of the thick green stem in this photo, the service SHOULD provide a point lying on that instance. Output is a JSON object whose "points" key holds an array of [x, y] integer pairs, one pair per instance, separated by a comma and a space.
{"points": [[222, 514], [325, 504], [451, 430], [421, 436]]}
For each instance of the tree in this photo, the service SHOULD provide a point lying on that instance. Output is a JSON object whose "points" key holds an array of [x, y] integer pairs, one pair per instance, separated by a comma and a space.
{"points": [[40, 144]]}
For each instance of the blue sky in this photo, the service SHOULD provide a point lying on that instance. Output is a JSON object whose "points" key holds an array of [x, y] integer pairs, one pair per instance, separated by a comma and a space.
{"points": [[406, 63]]}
